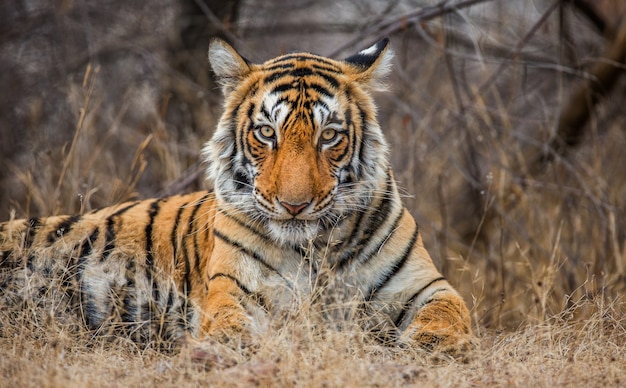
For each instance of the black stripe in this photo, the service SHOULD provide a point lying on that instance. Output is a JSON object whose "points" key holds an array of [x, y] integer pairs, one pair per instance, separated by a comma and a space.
{"points": [[381, 213], [265, 113], [280, 88], [280, 66], [409, 302], [89, 308], [393, 228], [152, 213], [170, 301], [87, 246], [328, 68], [32, 225], [191, 233], [29, 262], [341, 156], [247, 226], [363, 141], [244, 145], [196, 253], [251, 110], [329, 78], [332, 119], [302, 57], [241, 286], [249, 253], [174, 236], [275, 76], [109, 234], [350, 242], [301, 72], [300, 250], [129, 305], [252, 295], [396, 267], [4, 255], [320, 89], [64, 227], [352, 132], [233, 126], [187, 284], [432, 298], [193, 226]]}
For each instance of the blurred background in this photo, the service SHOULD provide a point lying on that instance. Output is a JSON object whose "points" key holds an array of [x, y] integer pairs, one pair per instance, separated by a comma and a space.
{"points": [[507, 121]]}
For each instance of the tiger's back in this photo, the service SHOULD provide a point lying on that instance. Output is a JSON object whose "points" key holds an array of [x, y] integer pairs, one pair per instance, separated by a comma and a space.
{"points": [[121, 268]]}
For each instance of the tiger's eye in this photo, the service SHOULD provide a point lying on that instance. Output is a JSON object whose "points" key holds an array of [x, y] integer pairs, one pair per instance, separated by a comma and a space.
{"points": [[267, 132], [328, 134]]}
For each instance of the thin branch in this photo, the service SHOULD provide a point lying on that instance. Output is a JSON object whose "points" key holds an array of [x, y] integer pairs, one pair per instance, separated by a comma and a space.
{"points": [[593, 16], [387, 27], [187, 178], [217, 23], [516, 50]]}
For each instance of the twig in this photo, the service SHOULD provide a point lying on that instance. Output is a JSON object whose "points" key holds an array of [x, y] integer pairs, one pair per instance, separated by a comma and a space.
{"points": [[186, 179], [217, 23], [455, 84], [515, 51], [387, 27], [591, 14]]}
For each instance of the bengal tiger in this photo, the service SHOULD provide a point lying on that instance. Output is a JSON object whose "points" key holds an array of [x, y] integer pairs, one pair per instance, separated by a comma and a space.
{"points": [[302, 188]]}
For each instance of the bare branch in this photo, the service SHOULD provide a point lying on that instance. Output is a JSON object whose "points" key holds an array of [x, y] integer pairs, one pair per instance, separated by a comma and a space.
{"points": [[217, 23], [516, 50], [593, 16], [387, 27], [188, 177]]}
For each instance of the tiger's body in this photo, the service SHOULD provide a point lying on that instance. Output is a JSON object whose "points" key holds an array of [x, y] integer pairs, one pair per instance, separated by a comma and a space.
{"points": [[305, 203]]}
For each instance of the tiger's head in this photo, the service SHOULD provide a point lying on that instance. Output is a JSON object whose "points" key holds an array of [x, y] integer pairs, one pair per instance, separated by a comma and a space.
{"points": [[298, 146]]}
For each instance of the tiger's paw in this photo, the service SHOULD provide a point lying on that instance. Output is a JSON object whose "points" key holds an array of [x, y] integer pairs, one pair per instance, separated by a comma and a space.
{"points": [[233, 330], [208, 354], [442, 346], [443, 328]]}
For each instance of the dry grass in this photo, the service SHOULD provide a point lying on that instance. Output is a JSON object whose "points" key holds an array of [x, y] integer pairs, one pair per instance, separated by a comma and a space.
{"points": [[540, 256], [557, 352]]}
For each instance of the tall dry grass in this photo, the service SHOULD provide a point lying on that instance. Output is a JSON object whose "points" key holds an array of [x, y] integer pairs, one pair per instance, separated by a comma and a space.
{"points": [[539, 255], [557, 351]]}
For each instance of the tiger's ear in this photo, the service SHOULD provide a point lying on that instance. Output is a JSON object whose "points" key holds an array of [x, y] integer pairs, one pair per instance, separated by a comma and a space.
{"points": [[373, 64], [228, 66]]}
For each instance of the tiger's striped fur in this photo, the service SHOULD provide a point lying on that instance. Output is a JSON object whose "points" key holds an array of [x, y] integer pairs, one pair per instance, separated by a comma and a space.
{"points": [[305, 200]]}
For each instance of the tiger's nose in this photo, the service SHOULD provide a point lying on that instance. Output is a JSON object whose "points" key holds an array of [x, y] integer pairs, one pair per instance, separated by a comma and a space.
{"points": [[294, 209]]}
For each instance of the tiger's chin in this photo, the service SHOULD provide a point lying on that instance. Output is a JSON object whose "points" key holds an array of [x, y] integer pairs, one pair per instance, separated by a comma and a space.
{"points": [[293, 232]]}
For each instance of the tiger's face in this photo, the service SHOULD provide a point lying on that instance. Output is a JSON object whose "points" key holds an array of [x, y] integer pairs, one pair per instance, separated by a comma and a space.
{"points": [[298, 146]]}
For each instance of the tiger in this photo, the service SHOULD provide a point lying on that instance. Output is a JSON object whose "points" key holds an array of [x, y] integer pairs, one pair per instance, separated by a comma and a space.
{"points": [[303, 203]]}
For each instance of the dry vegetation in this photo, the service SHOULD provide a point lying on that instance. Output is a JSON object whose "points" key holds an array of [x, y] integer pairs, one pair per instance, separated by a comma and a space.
{"points": [[507, 124]]}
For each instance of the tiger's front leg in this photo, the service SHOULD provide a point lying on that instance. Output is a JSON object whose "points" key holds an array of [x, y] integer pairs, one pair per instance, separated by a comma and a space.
{"points": [[223, 315], [224, 326]]}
